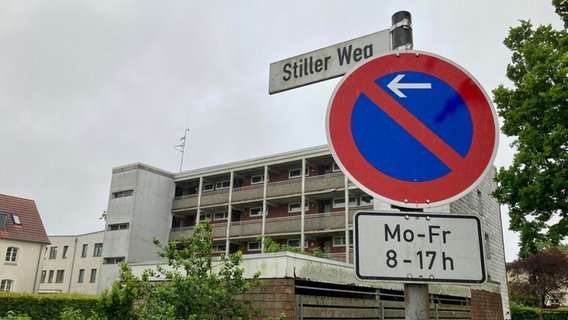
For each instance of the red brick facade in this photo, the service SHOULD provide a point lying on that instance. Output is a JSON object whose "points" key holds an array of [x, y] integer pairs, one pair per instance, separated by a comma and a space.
{"points": [[486, 305]]}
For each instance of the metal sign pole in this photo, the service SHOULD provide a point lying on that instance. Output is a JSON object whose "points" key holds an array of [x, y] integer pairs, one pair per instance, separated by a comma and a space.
{"points": [[416, 298]]}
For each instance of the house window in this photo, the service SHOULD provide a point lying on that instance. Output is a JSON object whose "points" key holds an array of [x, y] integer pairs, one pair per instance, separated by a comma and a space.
{"points": [[43, 275], [81, 276], [340, 202], [16, 219], [297, 207], [93, 277], [219, 247], [222, 184], [205, 216], [60, 275], [84, 251], [50, 278], [297, 173], [487, 246], [221, 216], [259, 178], [340, 241], [255, 212], [113, 260], [207, 187], [253, 246], [64, 254], [122, 194], [366, 200], [118, 226], [295, 243], [98, 250], [12, 254], [53, 253], [2, 220], [6, 285], [335, 167]]}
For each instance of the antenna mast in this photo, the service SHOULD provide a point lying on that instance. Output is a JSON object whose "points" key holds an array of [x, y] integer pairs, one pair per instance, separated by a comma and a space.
{"points": [[181, 147]]}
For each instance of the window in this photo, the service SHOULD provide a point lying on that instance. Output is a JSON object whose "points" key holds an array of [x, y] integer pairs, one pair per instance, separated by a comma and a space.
{"points": [[12, 255], [122, 194], [98, 250], [222, 184], [64, 253], [60, 275], [81, 276], [255, 212], [43, 275], [50, 279], [295, 243], [84, 251], [93, 277], [16, 219], [205, 216], [366, 200], [340, 202], [113, 260], [340, 241], [297, 173], [487, 246], [207, 187], [297, 207], [2, 220], [259, 178], [221, 216], [53, 253], [335, 167], [118, 226], [219, 247], [6, 285], [253, 246]]}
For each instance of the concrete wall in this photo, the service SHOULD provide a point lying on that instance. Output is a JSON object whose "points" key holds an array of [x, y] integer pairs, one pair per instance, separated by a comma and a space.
{"points": [[144, 214]]}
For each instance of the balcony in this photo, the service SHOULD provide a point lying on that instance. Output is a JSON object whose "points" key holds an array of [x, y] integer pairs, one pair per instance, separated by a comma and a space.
{"points": [[313, 223]]}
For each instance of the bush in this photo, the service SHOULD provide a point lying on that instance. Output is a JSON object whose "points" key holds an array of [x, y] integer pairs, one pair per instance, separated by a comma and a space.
{"points": [[519, 312]]}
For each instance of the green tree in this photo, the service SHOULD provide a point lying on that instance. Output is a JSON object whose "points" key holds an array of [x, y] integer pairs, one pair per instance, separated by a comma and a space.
{"points": [[193, 285], [535, 112]]}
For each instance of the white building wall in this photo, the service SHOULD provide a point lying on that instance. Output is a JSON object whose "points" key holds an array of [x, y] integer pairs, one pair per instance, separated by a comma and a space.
{"points": [[26, 270], [72, 263]]}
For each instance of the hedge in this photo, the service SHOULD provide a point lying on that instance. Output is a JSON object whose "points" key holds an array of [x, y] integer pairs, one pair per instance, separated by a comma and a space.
{"points": [[530, 313], [46, 306]]}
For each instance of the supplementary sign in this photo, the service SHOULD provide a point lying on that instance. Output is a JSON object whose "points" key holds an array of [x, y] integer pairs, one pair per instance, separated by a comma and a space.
{"points": [[326, 63], [414, 247], [412, 128]]}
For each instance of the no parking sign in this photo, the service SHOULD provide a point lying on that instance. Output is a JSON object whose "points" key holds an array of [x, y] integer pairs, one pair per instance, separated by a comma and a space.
{"points": [[412, 128]]}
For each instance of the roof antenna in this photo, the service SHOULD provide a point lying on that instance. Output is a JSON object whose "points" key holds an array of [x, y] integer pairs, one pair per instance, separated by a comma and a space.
{"points": [[181, 147]]}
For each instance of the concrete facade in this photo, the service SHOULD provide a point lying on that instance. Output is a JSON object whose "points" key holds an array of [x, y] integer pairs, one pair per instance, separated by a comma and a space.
{"points": [[71, 264]]}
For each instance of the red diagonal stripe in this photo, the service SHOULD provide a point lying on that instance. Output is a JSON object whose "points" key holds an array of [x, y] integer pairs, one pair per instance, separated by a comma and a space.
{"points": [[413, 125]]}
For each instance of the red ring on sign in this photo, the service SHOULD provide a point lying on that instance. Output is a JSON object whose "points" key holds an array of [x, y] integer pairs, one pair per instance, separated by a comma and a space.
{"points": [[445, 189]]}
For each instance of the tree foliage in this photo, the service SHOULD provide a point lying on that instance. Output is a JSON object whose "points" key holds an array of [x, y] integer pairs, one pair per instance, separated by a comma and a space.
{"points": [[544, 275], [193, 285], [535, 112]]}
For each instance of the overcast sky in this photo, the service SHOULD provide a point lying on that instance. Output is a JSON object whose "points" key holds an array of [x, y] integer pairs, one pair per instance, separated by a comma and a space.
{"points": [[86, 86]]}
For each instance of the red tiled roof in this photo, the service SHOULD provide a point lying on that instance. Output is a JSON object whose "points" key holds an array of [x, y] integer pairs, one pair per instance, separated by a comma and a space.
{"points": [[31, 227]]}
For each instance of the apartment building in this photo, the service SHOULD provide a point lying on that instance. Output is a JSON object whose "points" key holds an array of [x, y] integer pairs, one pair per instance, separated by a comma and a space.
{"points": [[22, 241], [71, 264], [299, 198]]}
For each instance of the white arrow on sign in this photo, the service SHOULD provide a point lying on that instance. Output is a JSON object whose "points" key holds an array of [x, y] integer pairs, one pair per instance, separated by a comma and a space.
{"points": [[395, 86]]}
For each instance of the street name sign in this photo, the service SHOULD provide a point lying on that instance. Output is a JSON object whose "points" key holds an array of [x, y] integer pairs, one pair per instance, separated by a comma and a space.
{"points": [[326, 63], [412, 128], [419, 248]]}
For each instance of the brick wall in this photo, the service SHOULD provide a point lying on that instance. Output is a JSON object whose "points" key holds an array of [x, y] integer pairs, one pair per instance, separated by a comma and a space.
{"points": [[274, 297], [486, 305]]}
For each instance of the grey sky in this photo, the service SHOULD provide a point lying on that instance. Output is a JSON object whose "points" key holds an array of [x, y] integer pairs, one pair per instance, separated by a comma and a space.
{"points": [[86, 86]]}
